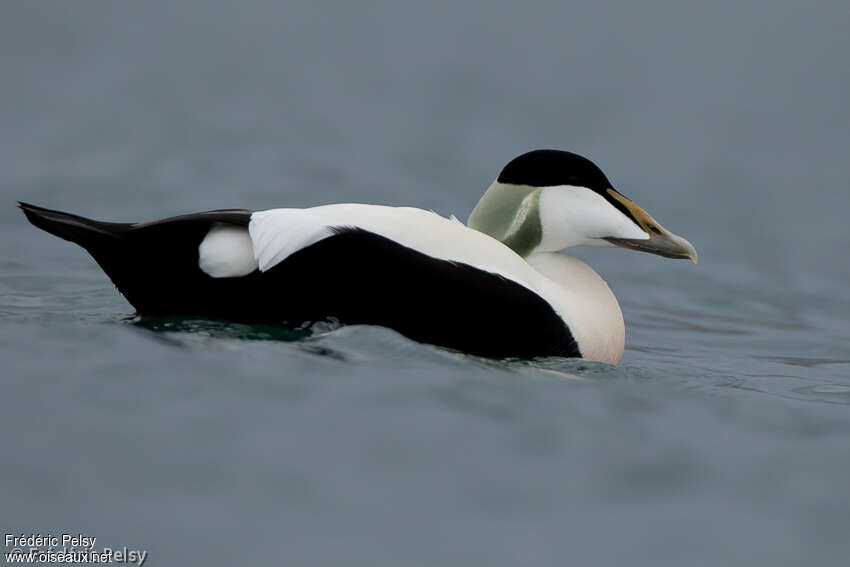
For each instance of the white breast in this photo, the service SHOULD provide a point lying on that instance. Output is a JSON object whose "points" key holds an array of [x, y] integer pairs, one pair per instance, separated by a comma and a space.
{"points": [[595, 318]]}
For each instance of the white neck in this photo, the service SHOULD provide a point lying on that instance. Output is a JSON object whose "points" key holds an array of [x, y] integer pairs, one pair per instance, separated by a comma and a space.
{"points": [[587, 304]]}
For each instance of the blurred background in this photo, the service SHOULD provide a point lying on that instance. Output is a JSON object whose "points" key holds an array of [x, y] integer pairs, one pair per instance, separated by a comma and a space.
{"points": [[722, 438]]}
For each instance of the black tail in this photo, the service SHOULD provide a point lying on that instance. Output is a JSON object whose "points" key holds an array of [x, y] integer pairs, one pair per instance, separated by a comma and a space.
{"points": [[154, 264], [103, 240], [90, 234]]}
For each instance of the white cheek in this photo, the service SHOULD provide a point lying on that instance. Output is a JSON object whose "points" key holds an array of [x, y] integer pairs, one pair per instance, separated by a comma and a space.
{"points": [[577, 216]]}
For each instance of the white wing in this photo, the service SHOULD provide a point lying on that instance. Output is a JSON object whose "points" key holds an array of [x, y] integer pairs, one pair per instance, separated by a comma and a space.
{"points": [[278, 233]]}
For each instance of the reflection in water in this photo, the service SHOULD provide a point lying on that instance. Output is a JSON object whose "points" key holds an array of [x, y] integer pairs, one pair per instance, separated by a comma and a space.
{"points": [[319, 350], [678, 319], [324, 339], [495, 402], [230, 330], [647, 349], [829, 393], [805, 362], [658, 322], [179, 331], [822, 393], [706, 316]]}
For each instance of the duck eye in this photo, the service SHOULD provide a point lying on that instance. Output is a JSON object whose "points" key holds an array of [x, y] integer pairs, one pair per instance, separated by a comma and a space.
{"points": [[653, 229]]}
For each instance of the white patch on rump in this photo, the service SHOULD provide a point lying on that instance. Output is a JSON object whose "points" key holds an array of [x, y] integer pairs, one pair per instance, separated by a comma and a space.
{"points": [[226, 252]]}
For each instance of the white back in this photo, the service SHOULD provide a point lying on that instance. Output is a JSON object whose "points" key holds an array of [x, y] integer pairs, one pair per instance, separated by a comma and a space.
{"points": [[277, 233]]}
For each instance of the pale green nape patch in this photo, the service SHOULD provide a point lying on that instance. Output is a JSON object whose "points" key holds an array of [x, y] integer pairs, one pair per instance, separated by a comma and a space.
{"points": [[510, 214]]}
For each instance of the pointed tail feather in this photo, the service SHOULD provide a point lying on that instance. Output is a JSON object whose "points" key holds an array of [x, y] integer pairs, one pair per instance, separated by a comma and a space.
{"points": [[80, 230]]}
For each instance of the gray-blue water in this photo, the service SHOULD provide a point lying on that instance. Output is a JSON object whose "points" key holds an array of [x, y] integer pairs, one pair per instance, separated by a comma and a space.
{"points": [[723, 438]]}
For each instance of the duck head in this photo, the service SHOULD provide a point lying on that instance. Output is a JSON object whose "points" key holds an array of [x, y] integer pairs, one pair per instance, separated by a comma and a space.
{"points": [[548, 200]]}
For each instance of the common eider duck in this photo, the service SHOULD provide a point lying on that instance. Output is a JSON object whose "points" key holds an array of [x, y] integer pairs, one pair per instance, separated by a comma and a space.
{"points": [[496, 287]]}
